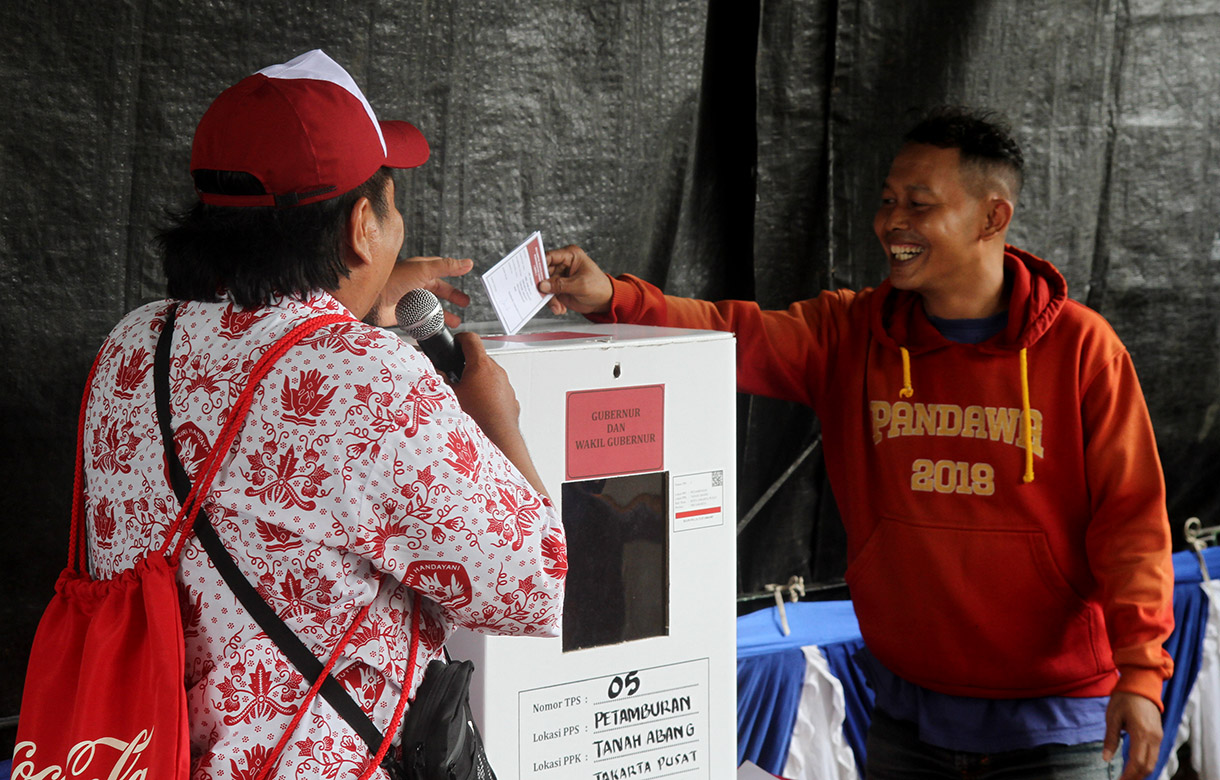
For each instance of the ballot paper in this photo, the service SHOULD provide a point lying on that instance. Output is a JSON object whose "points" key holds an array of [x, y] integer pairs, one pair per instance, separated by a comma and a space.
{"points": [[512, 284]]}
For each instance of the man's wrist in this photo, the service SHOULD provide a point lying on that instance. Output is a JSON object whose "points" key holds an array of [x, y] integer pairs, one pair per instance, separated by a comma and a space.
{"points": [[621, 293], [1142, 682]]}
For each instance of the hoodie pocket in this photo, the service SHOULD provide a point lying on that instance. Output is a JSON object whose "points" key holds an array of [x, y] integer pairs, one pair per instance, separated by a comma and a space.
{"points": [[975, 612]]}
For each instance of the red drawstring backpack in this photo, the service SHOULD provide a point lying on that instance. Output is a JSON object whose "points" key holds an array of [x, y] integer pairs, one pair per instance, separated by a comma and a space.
{"points": [[105, 692]]}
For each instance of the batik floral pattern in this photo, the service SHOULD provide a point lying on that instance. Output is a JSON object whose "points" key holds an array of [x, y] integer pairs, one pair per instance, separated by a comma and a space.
{"points": [[130, 374], [306, 397], [282, 473], [355, 480]]}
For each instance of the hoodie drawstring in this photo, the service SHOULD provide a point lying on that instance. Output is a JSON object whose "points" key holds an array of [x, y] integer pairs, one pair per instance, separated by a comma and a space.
{"points": [[1027, 433], [1027, 430], [907, 391]]}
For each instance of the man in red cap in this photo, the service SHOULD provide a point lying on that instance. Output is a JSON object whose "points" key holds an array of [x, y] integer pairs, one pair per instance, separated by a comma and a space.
{"points": [[361, 479]]}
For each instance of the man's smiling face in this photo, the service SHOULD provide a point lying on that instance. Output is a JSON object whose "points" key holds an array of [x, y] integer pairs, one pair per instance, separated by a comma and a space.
{"points": [[929, 221]]}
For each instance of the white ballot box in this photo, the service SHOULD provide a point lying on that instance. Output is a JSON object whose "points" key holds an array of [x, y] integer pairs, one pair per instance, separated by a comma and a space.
{"points": [[632, 429]]}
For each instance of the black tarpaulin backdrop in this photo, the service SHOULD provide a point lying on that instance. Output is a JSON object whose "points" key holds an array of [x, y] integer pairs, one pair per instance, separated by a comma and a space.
{"points": [[724, 149]]}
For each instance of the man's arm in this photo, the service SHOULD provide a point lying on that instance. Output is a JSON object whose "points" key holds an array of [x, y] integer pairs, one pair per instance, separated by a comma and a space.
{"points": [[486, 395], [581, 286], [452, 510], [1130, 555], [780, 354]]}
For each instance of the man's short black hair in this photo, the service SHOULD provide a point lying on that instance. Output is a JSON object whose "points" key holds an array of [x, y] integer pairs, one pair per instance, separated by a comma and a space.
{"points": [[255, 252], [983, 138]]}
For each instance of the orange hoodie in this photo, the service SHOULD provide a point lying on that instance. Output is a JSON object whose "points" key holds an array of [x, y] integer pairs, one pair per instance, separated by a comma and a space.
{"points": [[1004, 502]]}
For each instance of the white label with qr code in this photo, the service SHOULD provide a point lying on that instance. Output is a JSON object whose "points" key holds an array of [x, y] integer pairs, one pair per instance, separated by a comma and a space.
{"points": [[698, 500]]}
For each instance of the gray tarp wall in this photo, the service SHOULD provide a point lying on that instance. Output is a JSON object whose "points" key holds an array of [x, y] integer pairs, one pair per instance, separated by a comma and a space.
{"points": [[726, 149]]}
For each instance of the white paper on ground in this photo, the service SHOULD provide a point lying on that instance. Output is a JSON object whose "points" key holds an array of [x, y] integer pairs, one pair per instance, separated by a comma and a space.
{"points": [[751, 771]]}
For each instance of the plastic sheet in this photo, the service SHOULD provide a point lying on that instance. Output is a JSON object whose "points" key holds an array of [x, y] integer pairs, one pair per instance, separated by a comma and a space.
{"points": [[722, 149]]}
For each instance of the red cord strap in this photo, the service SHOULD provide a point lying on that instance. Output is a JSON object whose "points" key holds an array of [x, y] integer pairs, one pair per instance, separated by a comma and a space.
{"points": [[180, 528], [409, 677], [76, 536], [408, 680], [224, 442], [273, 757]]}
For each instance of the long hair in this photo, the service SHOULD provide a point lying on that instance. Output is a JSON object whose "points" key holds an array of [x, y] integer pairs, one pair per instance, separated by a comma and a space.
{"points": [[256, 252]]}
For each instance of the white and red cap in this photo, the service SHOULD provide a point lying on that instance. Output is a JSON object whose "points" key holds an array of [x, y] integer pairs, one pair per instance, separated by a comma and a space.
{"points": [[304, 130]]}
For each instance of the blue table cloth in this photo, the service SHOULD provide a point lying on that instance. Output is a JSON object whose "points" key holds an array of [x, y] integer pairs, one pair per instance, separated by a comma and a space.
{"points": [[771, 668]]}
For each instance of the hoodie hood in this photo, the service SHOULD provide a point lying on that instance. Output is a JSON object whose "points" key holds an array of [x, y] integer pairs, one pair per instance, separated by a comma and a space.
{"points": [[1038, 294]]}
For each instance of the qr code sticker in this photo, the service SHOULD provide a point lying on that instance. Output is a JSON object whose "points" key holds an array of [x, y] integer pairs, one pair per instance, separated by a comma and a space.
{"points": [[717, 479]]}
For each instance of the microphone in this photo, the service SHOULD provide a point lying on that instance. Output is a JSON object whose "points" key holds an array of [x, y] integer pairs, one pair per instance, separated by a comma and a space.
{"points": [[420, 315]]}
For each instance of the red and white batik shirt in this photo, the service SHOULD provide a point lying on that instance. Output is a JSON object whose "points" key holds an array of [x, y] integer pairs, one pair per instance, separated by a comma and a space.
{"points": [[357, 479]]}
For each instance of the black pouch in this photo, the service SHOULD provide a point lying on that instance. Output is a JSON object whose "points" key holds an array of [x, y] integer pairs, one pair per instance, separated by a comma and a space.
{"points": [[440, 740]]}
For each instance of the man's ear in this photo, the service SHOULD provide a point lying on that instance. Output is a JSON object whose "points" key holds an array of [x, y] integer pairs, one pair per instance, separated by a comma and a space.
{"points": [[999, 215], [361, 233]]}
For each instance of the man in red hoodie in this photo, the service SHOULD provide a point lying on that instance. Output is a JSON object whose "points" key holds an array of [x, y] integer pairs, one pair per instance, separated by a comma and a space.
{"points": [[993, 459]]}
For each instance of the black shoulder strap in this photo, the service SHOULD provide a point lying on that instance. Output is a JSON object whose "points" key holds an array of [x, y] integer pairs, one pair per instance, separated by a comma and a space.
{"points": [[289, 643]]}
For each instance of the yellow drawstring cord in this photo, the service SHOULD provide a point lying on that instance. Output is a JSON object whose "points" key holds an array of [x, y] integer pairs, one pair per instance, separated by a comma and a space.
{"points": [[907, 391], [1027, 433]]}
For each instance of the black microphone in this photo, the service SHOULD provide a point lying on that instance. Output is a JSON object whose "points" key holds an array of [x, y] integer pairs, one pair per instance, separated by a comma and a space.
{"points": [[421, 316]]}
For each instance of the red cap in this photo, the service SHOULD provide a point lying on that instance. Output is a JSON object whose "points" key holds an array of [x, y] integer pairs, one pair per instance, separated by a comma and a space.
{"points": [[303, 129]]}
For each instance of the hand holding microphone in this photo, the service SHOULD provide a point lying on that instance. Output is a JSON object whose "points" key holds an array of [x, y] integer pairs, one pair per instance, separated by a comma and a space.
{"points": [[420, 315], [487, 395]]}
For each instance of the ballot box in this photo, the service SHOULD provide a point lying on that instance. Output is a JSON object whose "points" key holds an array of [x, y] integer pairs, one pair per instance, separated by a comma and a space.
{"points": [[632, 429]]}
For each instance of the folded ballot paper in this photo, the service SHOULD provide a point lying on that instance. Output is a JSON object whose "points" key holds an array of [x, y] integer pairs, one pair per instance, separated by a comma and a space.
{"points": [[512, 284]]}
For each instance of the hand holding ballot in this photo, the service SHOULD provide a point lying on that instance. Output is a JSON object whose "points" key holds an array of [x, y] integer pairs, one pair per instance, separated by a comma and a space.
{"points": [[576, 282], [512, 284]]}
